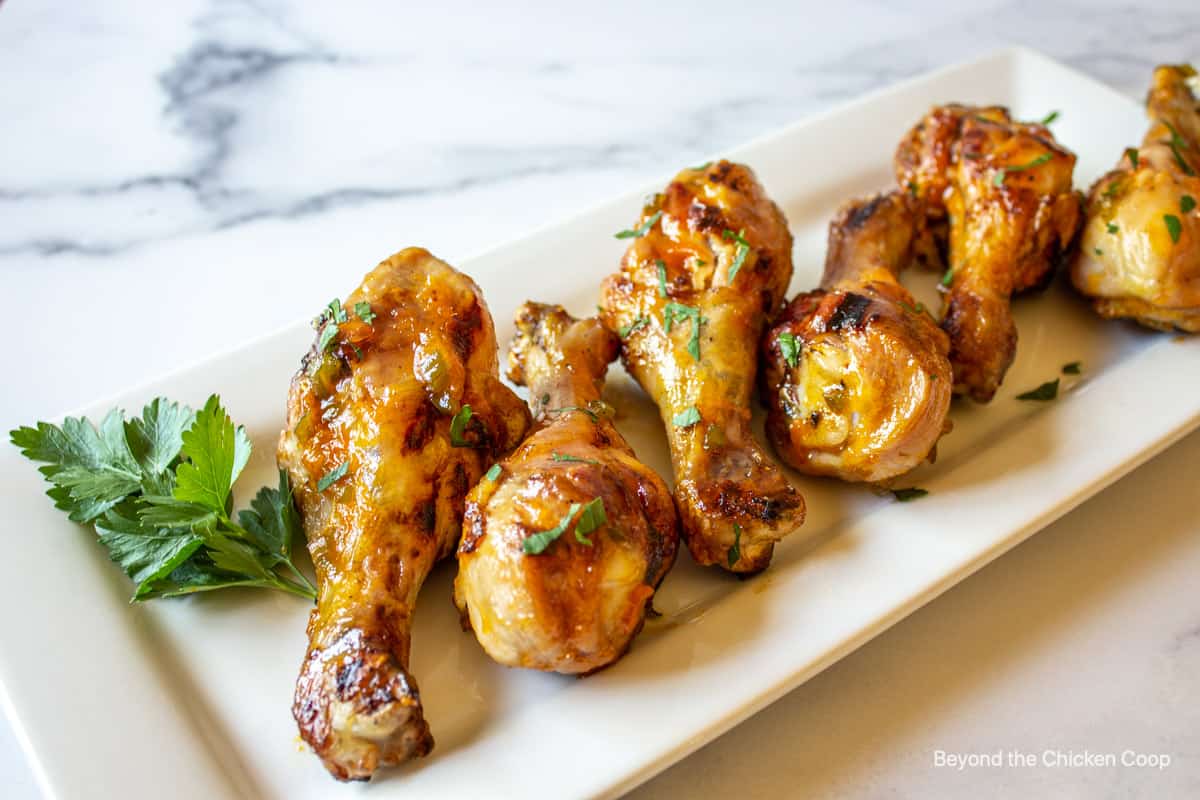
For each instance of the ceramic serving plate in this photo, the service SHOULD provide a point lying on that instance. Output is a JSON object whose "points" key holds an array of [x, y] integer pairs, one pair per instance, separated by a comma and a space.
{"points": [[191, 698]]}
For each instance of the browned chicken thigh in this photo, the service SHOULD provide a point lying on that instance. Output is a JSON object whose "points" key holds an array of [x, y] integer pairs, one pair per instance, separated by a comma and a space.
{"points": [[1004, 189], [565, 541], [396, 412], [856, 378], [1140, 252], [710, 261]]}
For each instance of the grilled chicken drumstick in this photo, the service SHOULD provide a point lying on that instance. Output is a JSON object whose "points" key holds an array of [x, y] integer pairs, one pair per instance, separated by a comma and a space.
{"points": [[1140, 253], [1004, 187], [395, 414], [856, 378], [565, 541], [708, 267]]}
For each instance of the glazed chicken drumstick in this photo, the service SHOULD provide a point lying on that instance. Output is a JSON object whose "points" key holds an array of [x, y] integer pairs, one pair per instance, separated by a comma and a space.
{"points": [[1140, 252], [396, 412], [856, 378], [1004, 188], [565, 541], [708, 267]]}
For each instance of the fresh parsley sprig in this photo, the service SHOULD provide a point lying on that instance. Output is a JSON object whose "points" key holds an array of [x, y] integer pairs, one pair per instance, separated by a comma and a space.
{"points": [[158, 490], [1003, 172]]}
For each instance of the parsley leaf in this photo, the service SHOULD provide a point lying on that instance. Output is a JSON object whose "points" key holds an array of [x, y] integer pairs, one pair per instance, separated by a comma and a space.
{"points": [[1174, 227], [158, 491], [905, 495], [363, 311], [458, 427], [686, 418], [677, 312], [661, 266], [538, 542], [1132, 154], [1176, 144], [335, 312], [641, 230], [1004, 171], [703, 166], [1112, 228], [493, 472], [789, 348], [1053, 115], [1047, 391], [948, 277], [1071, 369], [735, 550], [1187, 203], [333, 476], [567, 457], [743, 249], [639, 321], [590, 519]]}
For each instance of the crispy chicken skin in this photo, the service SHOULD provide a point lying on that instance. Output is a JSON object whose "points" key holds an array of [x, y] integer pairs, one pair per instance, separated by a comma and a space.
{"points": [[1134, 262], [1003, 189], [856, 379], [575, 606], [692, 297], [380, 400]]}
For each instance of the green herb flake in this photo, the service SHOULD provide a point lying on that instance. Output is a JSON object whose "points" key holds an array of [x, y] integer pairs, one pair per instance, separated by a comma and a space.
{"points": [[363, 311], [1132, 154], [1112, 189], [591, 519], [743, 250], [789, 348], [333, 476], [686, 418], [327, 336], [1053, 115], [661, 266], [1176, 144], [1098, 251], [538, 542], [458, 426], [702, 167], [674, 313], [905, 495], [1003, 172], [735, 550], [335, 312], [639, 321], [565, 409], [1112, 228], [1174, 227], [493, 473], [566, 457], [1047, 391], [1187, 203], [641, 230], [912, 188], [1071, 369], [948, 277]]}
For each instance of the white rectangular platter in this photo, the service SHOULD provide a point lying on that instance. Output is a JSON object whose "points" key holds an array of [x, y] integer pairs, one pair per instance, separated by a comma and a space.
{"points": [[191, 698]]}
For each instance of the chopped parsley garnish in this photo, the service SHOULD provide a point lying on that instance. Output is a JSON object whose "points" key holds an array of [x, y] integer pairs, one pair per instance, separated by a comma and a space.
{"points": [[363, 311], [335, 312], [743, 250], [912, 188], [919, 308], [570, 458], [538, 542], [1047, 391], [1098, 251], [1132, 154], [904, 495], [1112, 189], [590, 519], [564, 409], [333, 476], [661, 266], [327, 336], [1112, 228], [458, 426], [948, 277], [1053, 115], [1187, 203], [703, 166], [686, 418], [158, 491], [1004, 171], [639, 321], [735, 550], [641, 230], [493, 472], [1174, 227], [1071, 369], [789, 348], [1176, 144], [677, 312]]}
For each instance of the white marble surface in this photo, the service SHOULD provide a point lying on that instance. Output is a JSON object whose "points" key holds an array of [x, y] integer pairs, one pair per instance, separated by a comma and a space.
{"points": [[177, 178]]}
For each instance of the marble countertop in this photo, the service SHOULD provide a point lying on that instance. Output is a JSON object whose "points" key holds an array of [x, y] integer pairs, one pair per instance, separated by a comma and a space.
{"points": [[179, 178]]}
